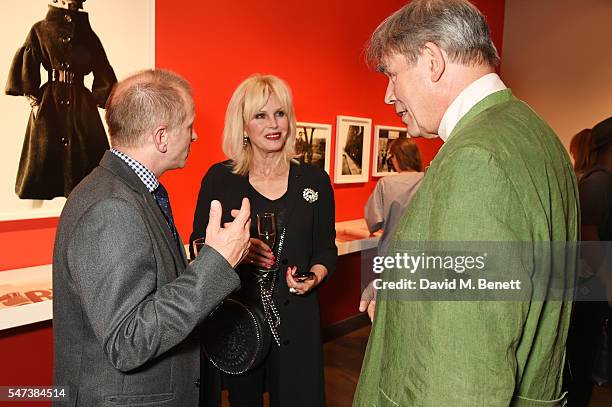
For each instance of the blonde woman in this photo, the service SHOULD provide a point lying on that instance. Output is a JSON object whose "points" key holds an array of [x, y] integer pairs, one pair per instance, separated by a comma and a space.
{"points": [[259, 139]]}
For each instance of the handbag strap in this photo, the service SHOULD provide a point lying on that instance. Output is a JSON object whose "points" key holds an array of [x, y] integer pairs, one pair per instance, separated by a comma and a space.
{"points": [[271, 313]]}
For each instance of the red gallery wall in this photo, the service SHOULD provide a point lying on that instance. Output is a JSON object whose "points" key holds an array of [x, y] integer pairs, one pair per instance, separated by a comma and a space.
{"points": [[316, 46]]}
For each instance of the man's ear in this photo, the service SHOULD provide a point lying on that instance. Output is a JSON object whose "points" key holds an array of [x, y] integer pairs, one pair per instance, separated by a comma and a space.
{"points": [[160, 138], [436, 60]]}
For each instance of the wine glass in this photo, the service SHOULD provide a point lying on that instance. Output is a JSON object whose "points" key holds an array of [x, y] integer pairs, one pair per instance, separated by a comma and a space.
{"points": [[198, 244], [266, 228]]}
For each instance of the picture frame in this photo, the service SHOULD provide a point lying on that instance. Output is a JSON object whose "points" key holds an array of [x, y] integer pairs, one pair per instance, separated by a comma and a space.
{"points": [[383, 135], [127, 32], [352, 158], [313, 144]]}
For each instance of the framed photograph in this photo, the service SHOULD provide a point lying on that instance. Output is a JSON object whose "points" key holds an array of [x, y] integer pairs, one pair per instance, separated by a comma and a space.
{"points": [[126, 30], [383, 136], [313, 144], [352, 149]]}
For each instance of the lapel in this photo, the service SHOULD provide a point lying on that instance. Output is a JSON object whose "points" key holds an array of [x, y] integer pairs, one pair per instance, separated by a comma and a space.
{"points": [[294, 187], [115, 165]]}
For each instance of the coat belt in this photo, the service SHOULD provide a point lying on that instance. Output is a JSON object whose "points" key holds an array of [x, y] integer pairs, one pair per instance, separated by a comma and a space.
{"points": [[65, 76]]}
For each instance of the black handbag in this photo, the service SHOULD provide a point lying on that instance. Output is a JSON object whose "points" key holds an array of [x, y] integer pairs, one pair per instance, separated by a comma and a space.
{"points": [[237, 335], [236, 338]]}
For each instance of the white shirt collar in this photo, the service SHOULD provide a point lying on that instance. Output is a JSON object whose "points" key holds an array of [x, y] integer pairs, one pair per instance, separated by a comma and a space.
{"points": [[467, 99]]}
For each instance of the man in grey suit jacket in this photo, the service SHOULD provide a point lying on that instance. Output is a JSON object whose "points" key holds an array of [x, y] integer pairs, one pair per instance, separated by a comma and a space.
{"points": [[126, 301]]}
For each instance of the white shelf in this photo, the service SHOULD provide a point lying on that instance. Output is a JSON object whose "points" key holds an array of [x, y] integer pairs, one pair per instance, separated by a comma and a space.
{"points": [[31, 286]]}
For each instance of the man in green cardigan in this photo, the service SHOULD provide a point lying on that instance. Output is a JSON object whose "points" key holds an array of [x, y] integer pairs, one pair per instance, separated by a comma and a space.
{"points": [[502, 176]]}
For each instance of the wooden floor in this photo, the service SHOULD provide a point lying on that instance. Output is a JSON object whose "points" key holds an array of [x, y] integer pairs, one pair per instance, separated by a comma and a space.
{"points": [[343, 357]]}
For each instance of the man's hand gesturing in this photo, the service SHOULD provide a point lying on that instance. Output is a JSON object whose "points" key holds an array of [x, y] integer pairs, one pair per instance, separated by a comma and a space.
{"points": [[231, 241]]}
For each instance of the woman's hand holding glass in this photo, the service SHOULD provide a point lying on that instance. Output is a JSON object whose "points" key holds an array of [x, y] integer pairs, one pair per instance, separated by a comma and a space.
{"points": [[259, 254]]}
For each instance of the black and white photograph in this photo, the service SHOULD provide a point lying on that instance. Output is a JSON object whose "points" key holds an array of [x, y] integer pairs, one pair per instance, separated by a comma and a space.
{"points": [[381, 161], [52, 141], [352, 149], [313, 144]]}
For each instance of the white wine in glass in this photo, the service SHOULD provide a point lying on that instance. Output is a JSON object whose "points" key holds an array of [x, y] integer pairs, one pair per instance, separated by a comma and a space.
{"points": [[266, 228]]}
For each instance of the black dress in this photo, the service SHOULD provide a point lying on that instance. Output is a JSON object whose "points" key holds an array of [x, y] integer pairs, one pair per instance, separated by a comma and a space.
{"points": [[64, 138], [310, 239]]}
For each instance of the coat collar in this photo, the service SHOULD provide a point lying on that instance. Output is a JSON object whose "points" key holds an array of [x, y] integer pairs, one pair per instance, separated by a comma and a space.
{"points": [[123, 171], [118, 167], [489, 101], [57, 14]]}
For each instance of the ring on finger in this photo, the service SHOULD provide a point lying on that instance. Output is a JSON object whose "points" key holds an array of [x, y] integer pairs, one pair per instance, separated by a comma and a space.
{"points": [[292, 290]]}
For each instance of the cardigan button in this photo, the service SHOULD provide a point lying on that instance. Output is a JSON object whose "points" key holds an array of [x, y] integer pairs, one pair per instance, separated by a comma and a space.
{"points": [[67, 18], [196, 382]]}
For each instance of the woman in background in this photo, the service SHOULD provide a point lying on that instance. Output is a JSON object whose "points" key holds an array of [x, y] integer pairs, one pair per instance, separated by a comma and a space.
{"points": [[259, 139], [393, 194], [580, 149], [592, 153]]}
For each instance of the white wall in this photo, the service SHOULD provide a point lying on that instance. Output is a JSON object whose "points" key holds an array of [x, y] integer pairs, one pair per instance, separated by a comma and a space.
{"points": [[557, 56]]}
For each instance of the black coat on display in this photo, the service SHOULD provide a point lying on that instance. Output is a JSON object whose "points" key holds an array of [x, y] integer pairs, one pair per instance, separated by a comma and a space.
{"points": [[64, 138], [310, 239]]}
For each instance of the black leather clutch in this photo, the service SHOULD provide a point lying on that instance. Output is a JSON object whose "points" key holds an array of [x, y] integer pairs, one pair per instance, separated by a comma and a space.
{"points": [[235, 337]]}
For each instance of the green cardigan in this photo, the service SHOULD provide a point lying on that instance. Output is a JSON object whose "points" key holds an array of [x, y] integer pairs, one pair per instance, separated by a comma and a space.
{"points": [[502, 176]]}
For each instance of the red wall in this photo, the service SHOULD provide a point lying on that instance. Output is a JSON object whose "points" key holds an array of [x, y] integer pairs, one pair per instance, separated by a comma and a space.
{"points": [[316, 46]]}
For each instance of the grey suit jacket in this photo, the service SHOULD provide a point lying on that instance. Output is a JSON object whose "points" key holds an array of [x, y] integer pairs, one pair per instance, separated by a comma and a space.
{"points": [[125, 301]]}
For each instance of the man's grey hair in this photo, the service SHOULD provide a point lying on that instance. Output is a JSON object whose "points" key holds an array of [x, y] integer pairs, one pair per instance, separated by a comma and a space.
{"points": [[456, 26], [144, 101]]}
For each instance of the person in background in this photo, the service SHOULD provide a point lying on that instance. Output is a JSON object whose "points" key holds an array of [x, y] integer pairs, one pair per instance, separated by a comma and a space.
{"points": [[259, 139], [502, 176], [592, 151], [125, 301], [393, 194], [580, 149]]}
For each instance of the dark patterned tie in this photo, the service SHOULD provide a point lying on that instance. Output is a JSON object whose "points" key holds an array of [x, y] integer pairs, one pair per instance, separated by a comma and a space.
{"points": [[161, 196]]}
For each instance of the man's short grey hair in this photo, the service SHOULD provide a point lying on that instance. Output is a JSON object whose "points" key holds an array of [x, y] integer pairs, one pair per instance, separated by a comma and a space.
{"points": [[456, 26], [144, 101]]}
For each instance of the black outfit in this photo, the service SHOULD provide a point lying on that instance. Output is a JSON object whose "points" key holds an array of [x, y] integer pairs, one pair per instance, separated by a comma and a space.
{"points": [[584, 338], [292, 373], [64, 138]]}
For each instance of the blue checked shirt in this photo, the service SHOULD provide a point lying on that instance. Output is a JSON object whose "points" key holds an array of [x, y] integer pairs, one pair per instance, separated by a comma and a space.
{"points": [[145, 175]]}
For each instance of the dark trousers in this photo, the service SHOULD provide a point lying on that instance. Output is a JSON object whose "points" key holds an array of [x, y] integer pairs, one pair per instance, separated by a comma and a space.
{"points": [[583, 342], [246, 390]]}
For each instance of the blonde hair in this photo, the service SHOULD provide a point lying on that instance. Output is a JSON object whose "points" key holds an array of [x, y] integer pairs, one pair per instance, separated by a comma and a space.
{"points": [[248, 99]]}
